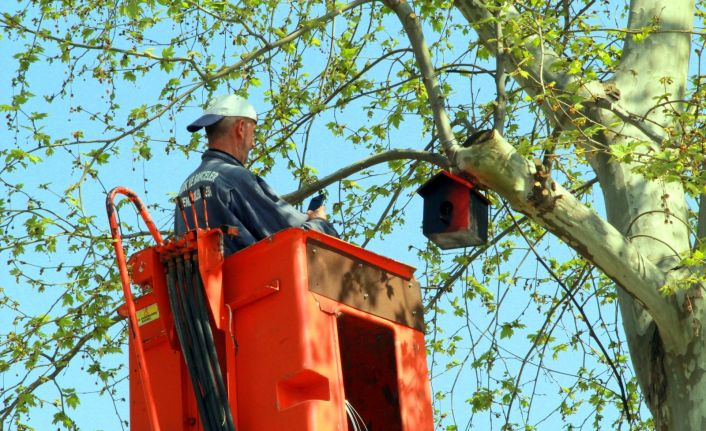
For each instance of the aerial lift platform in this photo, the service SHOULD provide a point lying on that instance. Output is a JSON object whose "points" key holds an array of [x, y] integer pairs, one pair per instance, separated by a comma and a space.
{"points": [[300, 331]]}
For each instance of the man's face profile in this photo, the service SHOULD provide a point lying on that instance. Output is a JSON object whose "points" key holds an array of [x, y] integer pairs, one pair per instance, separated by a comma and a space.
{"points": [[245, 136]]}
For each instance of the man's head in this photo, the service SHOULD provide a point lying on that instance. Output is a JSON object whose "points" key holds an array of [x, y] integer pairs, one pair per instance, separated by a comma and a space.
{"points": [[230, 125]]}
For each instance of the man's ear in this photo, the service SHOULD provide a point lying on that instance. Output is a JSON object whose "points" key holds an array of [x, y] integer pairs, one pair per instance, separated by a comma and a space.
{"points": [[240, 127], [235, 129]]}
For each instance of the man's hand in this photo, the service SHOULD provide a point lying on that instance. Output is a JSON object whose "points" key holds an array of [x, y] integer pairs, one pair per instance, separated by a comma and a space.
{"points": [[319, 212]]}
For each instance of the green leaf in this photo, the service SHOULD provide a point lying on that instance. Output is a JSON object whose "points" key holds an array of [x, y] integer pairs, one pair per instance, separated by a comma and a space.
{"points": [[506, 331], [168, 52], [72, 400]]}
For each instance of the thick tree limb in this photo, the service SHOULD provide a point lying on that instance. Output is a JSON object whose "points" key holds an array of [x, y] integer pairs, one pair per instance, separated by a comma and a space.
{"points": [[658, 64], [541, 70], [480, 15], [494, 163], [308, 190], [650, 79], [501, 168], [501, 98], [437, 101]]}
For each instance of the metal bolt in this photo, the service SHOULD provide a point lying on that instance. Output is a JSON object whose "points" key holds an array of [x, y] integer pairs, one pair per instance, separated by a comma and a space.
{"points": [[365, 296], [313, 250], [414, 313]]}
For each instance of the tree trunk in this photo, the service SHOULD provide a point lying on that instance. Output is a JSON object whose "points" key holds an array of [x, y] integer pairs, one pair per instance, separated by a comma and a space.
{"points": [[652, 214], [646, 235], [676, 386], [664, 334]]}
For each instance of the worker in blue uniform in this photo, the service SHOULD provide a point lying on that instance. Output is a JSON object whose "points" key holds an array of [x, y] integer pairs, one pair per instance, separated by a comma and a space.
{"points": [[234, 196]]}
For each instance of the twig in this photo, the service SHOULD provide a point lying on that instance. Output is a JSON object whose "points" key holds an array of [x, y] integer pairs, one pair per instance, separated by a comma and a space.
{"points": [[579, 307]]}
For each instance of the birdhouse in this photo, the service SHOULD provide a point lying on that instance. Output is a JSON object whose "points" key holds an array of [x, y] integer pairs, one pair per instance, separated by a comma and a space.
{"points": [[455, 213]]}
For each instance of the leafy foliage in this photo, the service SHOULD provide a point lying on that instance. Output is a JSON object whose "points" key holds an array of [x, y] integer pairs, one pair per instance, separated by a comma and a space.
{"points": [[523, 332]]}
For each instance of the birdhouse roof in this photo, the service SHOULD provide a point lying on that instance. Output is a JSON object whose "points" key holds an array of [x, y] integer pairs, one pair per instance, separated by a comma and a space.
{"points": [[444, 177]]}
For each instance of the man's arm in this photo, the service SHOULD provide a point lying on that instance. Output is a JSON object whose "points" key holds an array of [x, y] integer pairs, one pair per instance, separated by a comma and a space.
{"points": [[263, 212], [319, 221]]}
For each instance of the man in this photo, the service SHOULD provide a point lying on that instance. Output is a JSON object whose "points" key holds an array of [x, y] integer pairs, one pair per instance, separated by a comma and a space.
{"points": [[235, 196]]}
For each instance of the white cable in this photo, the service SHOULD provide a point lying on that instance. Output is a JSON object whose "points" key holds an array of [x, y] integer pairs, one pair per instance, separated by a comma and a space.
{"points": [[355, 417], [351, 418], [230, 326]]}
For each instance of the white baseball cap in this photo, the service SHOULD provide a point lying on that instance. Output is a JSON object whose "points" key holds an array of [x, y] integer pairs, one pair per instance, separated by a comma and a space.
{"points": [[228, 105]]}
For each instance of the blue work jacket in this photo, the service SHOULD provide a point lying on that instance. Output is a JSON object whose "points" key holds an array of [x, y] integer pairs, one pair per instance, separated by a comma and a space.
{"points": [[237, 197]]}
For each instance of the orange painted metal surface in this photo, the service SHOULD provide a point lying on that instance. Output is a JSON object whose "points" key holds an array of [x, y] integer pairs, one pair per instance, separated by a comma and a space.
{"points": [[173, 397], [173, 394], [292, 358], [291, 342], [140, 360]]}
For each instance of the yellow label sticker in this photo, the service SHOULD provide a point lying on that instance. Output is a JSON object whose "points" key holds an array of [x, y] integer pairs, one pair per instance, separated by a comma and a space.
{"points": [[147, 314]]}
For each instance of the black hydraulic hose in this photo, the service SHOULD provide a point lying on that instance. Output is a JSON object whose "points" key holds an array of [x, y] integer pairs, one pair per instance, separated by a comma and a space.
{"points": [[178, 327], [206, 343], [201, 327], [188, 347], [200, 302], [204, 382], [203, 346]]}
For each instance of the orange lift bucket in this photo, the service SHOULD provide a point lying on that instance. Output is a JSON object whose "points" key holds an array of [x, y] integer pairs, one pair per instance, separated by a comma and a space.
{"points": [[309, 333], [322, 328]]}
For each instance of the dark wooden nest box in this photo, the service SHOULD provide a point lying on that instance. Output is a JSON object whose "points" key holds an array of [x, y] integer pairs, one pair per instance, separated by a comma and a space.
{"points": [[455, 213]]}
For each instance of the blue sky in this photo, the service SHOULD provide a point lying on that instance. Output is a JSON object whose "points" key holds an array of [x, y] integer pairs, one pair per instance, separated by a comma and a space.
{"points": [[157, 179]]}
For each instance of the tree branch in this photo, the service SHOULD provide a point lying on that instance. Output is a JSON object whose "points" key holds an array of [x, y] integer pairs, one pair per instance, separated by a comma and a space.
{"points": [[482, 18], [306, 191], [501, 102], [657, 64], [305, 28], [59, 365], [437, 101], [8, 21], [532, 56], [701, 225], [494, 163]]}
